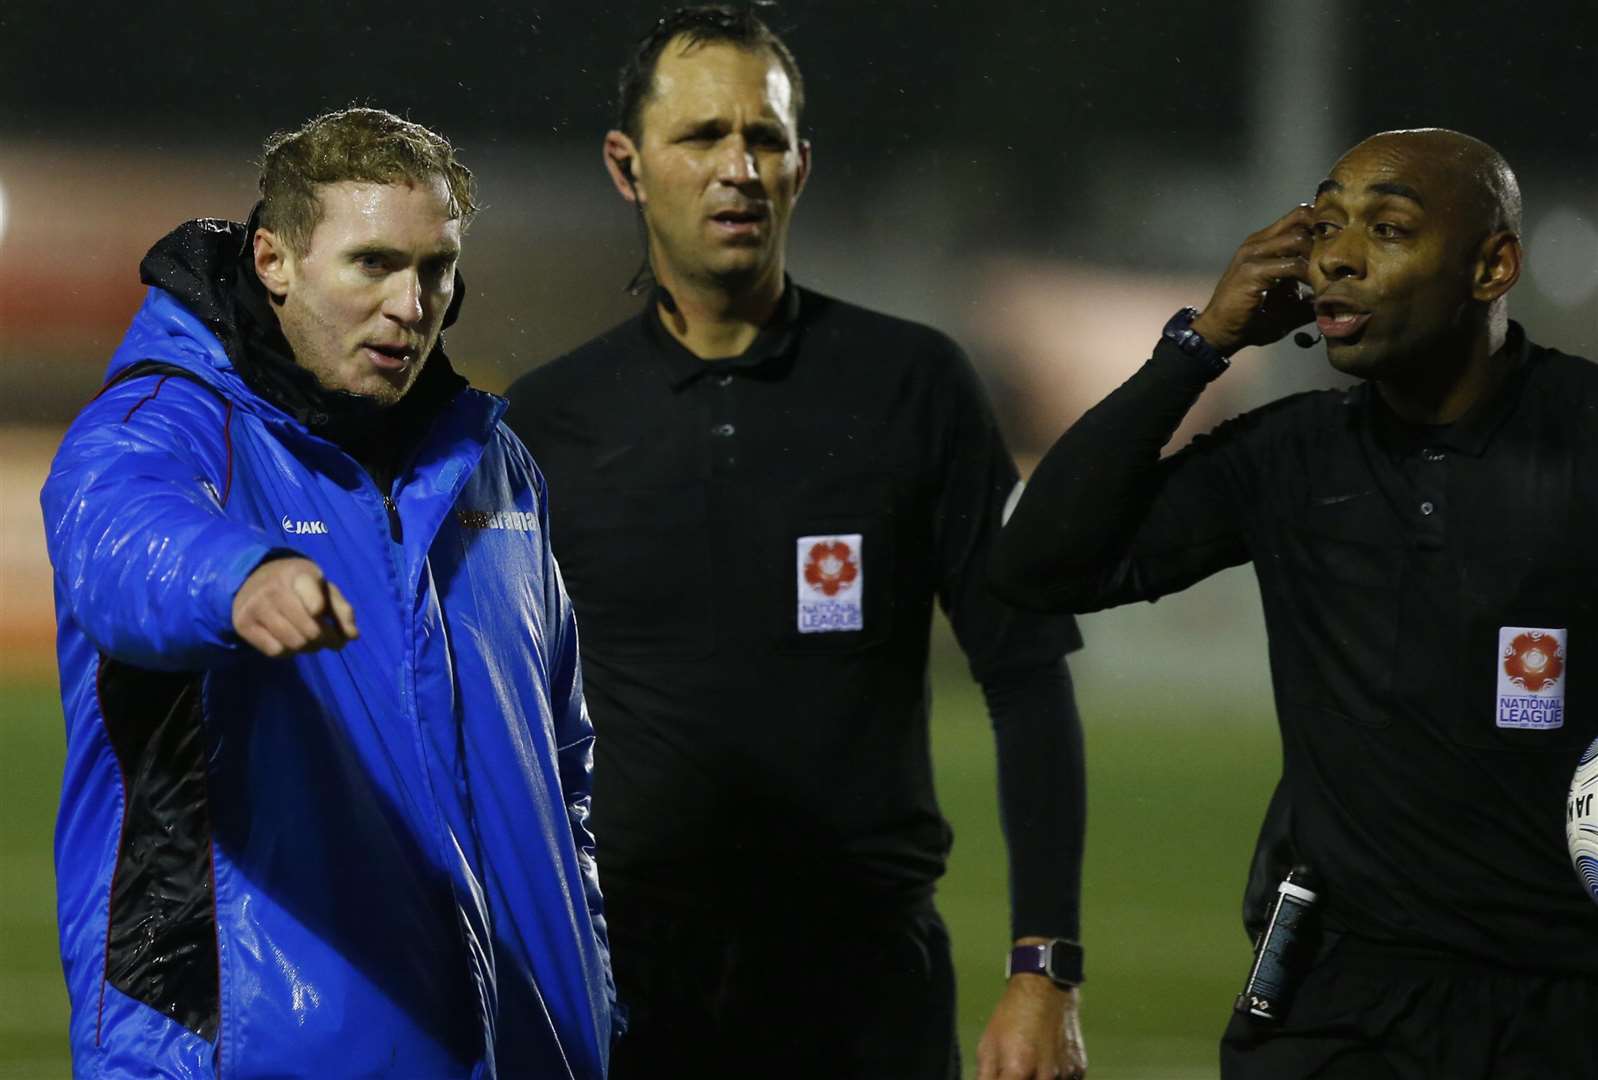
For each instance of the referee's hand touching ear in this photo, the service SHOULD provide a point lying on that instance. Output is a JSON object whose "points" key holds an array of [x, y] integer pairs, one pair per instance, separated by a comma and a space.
{"points": [[1257, 300]]}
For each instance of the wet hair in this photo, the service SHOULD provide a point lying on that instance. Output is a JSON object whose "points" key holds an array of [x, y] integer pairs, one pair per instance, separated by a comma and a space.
{"points": [[707, 24], [360, 144]]}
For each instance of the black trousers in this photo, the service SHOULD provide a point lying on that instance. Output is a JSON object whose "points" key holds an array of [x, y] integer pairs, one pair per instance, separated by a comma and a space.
{"points": [[832, 994], [1367, 1015]]}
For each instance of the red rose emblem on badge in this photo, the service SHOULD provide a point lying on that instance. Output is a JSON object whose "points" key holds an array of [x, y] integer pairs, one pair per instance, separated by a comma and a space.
{"points": [[1532, 660], [830, 567]]}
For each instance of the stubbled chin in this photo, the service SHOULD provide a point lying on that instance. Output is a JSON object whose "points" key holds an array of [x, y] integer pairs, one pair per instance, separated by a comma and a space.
{"points": [[385, 390], [388, 391]]}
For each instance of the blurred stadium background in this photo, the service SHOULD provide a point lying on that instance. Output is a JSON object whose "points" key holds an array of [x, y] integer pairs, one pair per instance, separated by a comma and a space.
{"points": [[1047, 182]]}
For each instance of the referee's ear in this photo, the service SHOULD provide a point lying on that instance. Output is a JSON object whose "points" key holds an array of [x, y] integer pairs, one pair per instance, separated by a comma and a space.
{"points": [[1498, 262], [621, 161], [804, 168]]}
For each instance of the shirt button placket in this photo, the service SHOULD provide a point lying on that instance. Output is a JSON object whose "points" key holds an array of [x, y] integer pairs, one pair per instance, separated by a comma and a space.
{"points": [[723, 432], [1432, 482]]}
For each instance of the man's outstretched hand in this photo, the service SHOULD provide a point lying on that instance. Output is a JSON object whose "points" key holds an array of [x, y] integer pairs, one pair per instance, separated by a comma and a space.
{"points": [[286, 606]]}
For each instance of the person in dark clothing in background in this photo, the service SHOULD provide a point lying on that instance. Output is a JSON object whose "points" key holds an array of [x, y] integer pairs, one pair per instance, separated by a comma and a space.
{"points": [[758, 493], [1424, 555]]}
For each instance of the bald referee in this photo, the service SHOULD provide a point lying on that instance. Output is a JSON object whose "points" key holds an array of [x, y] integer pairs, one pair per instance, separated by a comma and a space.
{"points": [[1423, 544]]}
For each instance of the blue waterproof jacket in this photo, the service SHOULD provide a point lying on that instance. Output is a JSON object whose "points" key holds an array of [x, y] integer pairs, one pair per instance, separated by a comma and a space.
{"points": [[365, 862]]}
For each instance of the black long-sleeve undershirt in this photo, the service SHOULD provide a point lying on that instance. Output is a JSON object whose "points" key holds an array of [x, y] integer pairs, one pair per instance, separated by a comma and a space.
{"points": [[1042, 796], [1090, 508]]}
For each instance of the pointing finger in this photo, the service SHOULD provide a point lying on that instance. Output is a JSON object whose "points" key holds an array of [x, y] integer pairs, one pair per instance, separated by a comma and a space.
{"points": [[343, 613]]}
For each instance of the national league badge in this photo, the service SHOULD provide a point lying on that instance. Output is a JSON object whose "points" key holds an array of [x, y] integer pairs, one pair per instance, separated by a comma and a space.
{"points": [[831, 583], [1531, 678]]}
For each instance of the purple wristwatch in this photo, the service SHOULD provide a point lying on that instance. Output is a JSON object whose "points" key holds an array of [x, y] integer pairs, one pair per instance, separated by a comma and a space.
{"points": [[1058, 960]]}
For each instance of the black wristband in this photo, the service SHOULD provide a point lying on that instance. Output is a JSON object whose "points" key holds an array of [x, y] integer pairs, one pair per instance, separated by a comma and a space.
{"points": [[1179, 332]]}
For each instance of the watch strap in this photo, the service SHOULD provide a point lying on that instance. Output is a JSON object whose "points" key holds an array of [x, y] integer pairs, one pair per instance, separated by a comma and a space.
{"points": [[1059, 960]]}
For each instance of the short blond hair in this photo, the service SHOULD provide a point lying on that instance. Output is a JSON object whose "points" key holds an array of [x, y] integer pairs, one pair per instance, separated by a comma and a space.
{"points": [[360, 144]]}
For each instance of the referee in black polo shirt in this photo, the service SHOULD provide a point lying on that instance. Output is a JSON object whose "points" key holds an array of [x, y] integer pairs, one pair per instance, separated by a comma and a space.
{"points": [[758, 493], [1424, 545]]}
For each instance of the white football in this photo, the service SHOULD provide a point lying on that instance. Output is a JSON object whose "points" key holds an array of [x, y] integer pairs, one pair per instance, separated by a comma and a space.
{"points": [[1581, 820]]}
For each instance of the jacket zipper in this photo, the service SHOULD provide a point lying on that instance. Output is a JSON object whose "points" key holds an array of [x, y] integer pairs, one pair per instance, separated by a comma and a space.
{"points": [[395, 532]]}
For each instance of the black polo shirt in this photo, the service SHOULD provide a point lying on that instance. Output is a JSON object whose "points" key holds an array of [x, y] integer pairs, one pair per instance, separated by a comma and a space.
{"points": [[1431, 600], [753, 547]]}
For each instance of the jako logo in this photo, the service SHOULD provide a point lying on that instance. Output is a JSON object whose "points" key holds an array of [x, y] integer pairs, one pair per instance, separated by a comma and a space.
{"points": [[301, 528]]}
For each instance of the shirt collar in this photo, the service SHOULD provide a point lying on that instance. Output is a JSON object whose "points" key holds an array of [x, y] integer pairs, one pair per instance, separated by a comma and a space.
{"points": [[1472, 433], [774, 343]]}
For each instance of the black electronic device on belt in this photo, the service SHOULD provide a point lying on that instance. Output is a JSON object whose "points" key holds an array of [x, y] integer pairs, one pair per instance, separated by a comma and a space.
{"points": [[1283, 951]]}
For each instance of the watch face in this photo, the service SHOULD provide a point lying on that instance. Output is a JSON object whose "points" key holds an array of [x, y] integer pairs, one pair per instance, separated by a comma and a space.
{"points": [[1180, 323], [1056, 960], [1179, 331]]}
